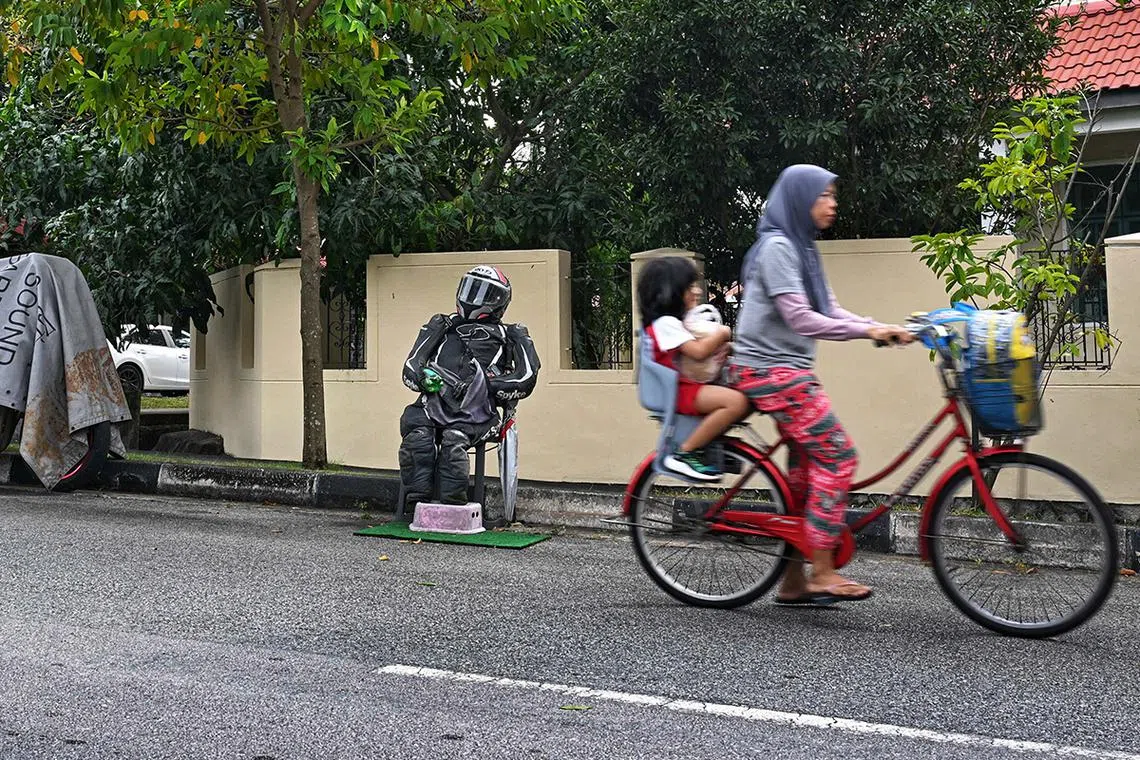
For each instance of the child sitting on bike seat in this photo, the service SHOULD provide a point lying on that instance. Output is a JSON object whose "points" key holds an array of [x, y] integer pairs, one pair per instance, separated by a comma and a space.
{"points": [[667, 289]]}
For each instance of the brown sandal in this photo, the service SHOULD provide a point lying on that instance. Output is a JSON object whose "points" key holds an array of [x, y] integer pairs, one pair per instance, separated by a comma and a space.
{"points": [[832, 593]]}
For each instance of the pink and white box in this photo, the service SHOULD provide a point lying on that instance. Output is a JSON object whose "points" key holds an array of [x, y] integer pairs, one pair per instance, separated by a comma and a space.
{"points": [[448, 518]]}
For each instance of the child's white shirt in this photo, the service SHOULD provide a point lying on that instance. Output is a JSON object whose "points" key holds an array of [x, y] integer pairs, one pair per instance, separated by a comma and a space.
{"points": [[670, 333]]}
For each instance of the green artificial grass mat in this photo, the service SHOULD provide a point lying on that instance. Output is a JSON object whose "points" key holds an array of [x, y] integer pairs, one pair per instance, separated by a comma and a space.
{"points": [[503, 539]]}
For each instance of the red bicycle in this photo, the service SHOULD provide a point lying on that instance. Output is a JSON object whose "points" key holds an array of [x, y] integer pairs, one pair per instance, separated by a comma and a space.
{"points": [[1019, 542]]}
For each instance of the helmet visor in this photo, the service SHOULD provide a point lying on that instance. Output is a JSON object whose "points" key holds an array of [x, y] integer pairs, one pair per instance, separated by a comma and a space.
{"points": [[476, 291]]}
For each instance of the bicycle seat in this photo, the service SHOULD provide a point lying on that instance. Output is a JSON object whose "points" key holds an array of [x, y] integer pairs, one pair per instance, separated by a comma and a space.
{"points": [[657, 393]]}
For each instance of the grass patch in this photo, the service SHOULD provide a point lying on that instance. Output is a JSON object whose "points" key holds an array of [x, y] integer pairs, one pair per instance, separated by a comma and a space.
{"points": [[165, 402]]}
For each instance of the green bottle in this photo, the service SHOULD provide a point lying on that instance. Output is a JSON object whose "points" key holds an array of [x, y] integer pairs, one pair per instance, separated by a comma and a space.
{"points": [[430, 381]]}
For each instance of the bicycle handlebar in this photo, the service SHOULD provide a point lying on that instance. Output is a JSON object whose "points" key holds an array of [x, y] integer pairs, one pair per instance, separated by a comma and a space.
{"points": [[932, 328], [915, 329]]}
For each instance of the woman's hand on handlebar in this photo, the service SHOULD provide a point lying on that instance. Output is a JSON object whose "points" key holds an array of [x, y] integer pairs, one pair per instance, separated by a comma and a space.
{"points": [[884, 335]]}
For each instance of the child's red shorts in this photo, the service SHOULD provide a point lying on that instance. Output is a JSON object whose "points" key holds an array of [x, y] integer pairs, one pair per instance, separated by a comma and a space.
{"points": [[687, 397]]}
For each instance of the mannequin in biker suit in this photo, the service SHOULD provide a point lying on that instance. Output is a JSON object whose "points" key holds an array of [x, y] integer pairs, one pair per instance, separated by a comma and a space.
{"points": [[448, 343]]}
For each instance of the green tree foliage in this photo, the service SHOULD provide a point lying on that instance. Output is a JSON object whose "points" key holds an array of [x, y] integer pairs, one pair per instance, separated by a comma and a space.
{"points": [[627, 126], [147, 229], [254, 75], [700, 104]]}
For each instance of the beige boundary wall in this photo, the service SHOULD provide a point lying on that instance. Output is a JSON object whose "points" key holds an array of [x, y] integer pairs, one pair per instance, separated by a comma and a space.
{"points": [[585, 426]]}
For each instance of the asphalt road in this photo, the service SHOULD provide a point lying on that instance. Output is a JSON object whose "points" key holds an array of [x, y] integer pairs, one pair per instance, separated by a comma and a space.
{"points": [[141, 627]]}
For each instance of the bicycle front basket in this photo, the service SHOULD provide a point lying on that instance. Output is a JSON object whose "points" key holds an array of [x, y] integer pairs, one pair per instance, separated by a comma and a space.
{"points": [[1000, 374]]}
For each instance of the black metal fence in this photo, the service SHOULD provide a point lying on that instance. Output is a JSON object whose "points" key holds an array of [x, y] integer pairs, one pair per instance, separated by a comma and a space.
{"points": [[601, 312], [600, 306], [1097, 192], [343, 319], [602, 327], [601, 318], [1079, 344], [602, 323], [1076, 345], [602, 333]]}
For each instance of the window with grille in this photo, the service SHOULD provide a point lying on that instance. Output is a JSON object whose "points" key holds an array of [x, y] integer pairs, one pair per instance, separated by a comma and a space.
{"points": [[1092, 206]]}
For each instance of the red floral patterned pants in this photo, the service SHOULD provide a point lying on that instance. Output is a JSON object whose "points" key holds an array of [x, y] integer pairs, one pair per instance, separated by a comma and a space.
{"points": [[822, 460]]}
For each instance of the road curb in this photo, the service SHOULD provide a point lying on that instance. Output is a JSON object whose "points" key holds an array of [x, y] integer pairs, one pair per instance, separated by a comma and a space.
{"points": [[295, 489], [550, 505], [1130, 550], [253, 484], [131, 477], [333, 490]]}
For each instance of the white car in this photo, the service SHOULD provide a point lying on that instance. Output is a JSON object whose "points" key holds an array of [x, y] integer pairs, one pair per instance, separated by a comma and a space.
{"points": [[160, 362]]}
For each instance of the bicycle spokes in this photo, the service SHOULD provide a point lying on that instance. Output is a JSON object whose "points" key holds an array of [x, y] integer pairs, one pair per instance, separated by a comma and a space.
{"points": [[687, 554], [1033, 551]]}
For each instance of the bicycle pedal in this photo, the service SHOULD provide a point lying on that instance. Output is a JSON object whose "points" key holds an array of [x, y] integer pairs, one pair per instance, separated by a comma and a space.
{"points": [[713, 454], [691, 510]]}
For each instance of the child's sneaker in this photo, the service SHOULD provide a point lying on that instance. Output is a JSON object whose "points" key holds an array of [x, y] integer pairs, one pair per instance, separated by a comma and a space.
{"points": [[689, 464]]}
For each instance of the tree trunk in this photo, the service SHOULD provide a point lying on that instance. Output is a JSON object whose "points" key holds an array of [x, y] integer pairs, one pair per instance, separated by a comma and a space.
{"points": [[288, 91], [314, 452]]}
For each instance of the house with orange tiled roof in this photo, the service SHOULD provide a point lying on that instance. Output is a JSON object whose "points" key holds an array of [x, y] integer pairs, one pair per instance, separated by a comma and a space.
{"points": [[1099, 54], [1101, 47]]}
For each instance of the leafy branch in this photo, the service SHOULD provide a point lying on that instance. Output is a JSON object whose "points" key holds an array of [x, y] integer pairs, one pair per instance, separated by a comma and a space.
{"points": [[1026, 191]]}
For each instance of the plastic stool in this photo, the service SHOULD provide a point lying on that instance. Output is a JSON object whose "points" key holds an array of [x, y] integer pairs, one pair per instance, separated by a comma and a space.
{"points": [[448, 518]]}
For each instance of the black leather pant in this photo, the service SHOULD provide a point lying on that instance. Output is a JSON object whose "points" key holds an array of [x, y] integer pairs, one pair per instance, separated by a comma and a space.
{"points": [[426, 447]]}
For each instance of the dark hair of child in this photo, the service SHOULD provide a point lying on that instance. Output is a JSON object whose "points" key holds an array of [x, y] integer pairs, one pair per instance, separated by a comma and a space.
{"points": [[661, 287]]}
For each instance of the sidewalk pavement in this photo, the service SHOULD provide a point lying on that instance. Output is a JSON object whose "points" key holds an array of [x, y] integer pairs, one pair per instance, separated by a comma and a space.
{"points": [[547, 505]]}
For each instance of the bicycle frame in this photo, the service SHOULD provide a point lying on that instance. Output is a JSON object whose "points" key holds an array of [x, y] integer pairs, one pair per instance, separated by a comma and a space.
{"points": [[744, 522]]}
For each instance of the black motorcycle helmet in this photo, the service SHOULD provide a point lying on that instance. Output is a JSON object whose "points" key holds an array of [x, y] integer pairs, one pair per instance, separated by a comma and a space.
{"points": [[483, 294]]}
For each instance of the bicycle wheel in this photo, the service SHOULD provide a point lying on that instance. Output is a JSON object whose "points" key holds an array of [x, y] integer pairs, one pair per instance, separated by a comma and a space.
{"points": [[684, 557], [509, 471], [87, 469], [1060, 572]]}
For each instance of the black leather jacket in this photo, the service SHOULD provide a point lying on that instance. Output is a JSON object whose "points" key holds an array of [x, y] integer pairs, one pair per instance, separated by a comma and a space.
{"points": [[504, 351]]}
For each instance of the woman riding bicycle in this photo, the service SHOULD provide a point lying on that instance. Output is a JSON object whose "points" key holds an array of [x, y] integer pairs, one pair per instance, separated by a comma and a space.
{"points": [[787, 306]]}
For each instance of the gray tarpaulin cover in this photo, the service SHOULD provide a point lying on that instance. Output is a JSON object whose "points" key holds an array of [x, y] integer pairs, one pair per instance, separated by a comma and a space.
{"points": [[55, 365]]}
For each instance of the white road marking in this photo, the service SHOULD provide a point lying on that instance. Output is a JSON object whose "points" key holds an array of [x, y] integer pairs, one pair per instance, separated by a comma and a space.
{"points": [[761, 715]]}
